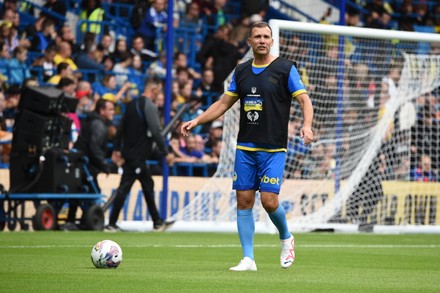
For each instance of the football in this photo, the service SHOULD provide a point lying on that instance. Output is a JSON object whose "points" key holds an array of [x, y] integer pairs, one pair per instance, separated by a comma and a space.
{"points": [[106, 254]]}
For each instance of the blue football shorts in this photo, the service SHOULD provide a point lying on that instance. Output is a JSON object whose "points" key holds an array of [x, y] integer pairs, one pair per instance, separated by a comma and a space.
{"points": [[258, 171]]}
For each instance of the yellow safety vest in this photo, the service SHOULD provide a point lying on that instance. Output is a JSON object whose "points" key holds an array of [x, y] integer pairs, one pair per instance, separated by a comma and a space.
{"points": [[97, 15]]}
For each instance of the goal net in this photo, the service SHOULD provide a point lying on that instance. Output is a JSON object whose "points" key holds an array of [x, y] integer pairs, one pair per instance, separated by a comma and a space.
{"points": [[376, 159]]}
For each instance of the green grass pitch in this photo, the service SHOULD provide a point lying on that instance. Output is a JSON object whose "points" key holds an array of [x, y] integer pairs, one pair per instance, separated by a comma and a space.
{"points": [[198, 262]]}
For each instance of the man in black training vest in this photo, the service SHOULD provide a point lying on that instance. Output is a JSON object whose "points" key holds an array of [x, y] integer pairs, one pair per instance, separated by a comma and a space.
{"points": [[265, 87]]}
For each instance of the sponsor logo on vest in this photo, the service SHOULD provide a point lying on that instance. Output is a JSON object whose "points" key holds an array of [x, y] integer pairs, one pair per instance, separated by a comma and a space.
{"points": [[252, 116]]}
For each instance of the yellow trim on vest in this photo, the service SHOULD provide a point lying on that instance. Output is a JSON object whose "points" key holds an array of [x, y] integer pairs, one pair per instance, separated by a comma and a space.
{"points": [[259, 66], [243, 148], [297, 93]]}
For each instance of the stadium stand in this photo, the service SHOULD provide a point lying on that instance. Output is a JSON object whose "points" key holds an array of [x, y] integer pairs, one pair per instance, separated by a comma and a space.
{"points": [[119, 21]]}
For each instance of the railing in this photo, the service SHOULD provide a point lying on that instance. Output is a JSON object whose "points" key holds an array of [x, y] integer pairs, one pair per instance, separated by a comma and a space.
{"points": [[27, 6], [121, 29]]}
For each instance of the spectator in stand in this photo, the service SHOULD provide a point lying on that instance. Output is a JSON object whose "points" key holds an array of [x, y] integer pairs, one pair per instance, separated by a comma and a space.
{"points": [[240, 30], [120, 48], [219, 54], [423, 16], [138, 13], [423, 172], [192, 17], [19, 71], [5, 133], [108, 86], [48, 67], [64, 54], [108, 63], [181, 61], [8, 4], [214, 151], [215, 133], [436, 13], [31, 81], [193, 111], [158, 68], [401, 170], [121, 68], [14, 17], [63, 70], [435, 47], [31, 30], [9, 36], [375, 9], [187, 153], [45, 37], [206, 82], [392, 79], [84, 93], [4, 59], [12, 95], [65, 34], [204, 89], [89, 57], [406, 21], [217, 13], [9, 15], [91, 11], [138, 48], [156, 17], [252, 7], [206, 6], [184, 96], [67, 85], [107, 45], [136, 73], [183, 76], [425, 133], [59, 8]]}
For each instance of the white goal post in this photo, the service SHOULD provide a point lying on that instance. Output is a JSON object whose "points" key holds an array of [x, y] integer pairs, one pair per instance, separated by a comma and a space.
{"points": [[377, 119]]}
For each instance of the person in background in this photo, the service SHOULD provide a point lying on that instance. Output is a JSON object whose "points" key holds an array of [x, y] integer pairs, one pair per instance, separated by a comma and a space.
{"points": [[63, 71], [92, 142], [138, 48], [139, 130], [46, 64], [45, 37], [155, 17], [262, 138], [19, 71]]}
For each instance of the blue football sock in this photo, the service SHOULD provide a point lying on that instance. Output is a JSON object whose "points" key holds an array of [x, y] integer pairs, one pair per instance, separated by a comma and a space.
{"points": [[279, 220], [246, 229]]}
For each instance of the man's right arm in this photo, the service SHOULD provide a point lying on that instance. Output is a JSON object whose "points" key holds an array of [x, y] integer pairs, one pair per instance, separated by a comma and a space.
{"points": [[213, 112]]}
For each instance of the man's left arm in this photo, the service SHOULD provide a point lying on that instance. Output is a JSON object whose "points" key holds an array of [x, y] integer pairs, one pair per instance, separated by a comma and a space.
{"points": [[99, 138], [307, 110], [152, 117]]}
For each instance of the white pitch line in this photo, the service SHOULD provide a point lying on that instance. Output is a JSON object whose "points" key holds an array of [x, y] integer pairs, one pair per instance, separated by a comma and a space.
{"points": [[341, 246]]}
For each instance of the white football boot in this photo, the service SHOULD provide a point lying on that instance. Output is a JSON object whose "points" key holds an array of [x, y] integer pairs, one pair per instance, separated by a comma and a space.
{"points": [[287, 256], [246, 264]]}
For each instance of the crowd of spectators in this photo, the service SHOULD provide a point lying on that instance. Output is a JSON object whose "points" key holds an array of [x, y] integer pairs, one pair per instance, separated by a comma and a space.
{"points": [[96, 63], [89, 61]]}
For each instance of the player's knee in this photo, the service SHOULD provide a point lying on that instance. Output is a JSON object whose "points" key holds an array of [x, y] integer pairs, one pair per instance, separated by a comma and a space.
{"points": [[270, 205]]}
